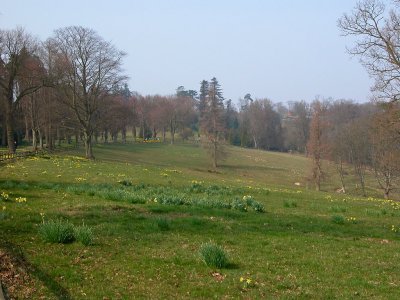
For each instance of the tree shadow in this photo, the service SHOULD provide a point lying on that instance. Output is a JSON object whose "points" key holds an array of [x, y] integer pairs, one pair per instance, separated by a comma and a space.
{"points": [[59, 291]]}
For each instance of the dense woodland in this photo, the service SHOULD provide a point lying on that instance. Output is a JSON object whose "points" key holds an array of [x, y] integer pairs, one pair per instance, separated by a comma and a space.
{"points": [[71, 88]]}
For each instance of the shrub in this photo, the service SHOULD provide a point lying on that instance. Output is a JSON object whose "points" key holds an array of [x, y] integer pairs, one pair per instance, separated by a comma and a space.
{"points": [[83, 234], [338, 219], [163, 224], [58, 231], [213, 255]]}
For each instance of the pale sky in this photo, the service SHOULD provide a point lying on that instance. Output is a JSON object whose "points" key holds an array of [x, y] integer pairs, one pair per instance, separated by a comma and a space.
{"points": [[284, 50]]}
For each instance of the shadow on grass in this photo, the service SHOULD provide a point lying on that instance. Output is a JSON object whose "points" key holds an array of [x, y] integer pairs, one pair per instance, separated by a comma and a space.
{"points": [[232, 266], [59, 291]]}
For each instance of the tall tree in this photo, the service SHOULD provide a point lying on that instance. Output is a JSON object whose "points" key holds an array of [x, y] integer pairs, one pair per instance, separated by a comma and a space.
{"points": [[16, 49], [316, 145], [377, 43], [385, 154], [89, 67], [212, 123], [204, 89]]}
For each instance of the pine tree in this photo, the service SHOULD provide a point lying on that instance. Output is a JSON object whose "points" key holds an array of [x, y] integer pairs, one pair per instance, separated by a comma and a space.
{"points": [[203, 97], [212, 122]]}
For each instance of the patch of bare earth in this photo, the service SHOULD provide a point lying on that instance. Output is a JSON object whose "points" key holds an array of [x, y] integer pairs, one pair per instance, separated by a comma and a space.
{"points": [[15, 279]]}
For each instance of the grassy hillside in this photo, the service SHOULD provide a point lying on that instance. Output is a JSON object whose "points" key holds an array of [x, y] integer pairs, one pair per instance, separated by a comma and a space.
{"points": [[151, 207]]}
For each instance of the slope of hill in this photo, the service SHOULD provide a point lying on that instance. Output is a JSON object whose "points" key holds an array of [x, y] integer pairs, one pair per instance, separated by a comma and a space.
{"points": [[152, 207]]}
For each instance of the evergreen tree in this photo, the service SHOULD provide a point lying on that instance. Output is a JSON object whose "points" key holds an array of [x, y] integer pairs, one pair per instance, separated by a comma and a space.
{"points": [[212, 121], [204, 86]]}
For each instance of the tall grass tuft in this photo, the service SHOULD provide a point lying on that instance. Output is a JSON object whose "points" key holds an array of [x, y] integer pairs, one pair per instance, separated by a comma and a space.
{"points": [[213, 255], [163, 224], [83, 234], [58, 231]]}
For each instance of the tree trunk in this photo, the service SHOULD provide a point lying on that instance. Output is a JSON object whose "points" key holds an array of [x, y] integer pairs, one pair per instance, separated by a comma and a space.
{"points": [[164, 134], [386, 194], [40, 139], [27, 136], [4, 136], [105, 136], [34, 140], [214, 155], [88, 145], [172, 133], [255, 142], [10, 125], [134, 133], [124, 135], [339, 168]]}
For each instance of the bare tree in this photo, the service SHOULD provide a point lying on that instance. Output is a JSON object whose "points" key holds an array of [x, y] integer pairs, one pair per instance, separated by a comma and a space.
{"points": [[316, 144], [385, 154], [377, 32], [16, 49], [88, 68]]}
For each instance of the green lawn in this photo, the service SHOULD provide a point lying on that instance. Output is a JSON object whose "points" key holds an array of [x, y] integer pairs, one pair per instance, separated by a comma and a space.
{"points": [[305, 244]]}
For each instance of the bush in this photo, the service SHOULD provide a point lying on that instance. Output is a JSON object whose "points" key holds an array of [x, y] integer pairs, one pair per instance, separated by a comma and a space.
{"points": [[83, 234], [57, 231], [213, 255]]}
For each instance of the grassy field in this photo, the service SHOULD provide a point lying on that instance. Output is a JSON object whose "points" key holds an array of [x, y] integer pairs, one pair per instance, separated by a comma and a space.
{"points": [[151, 207]]}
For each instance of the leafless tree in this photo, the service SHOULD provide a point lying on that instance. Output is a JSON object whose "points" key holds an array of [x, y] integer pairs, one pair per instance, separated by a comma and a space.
{"points": [[385, 154], [88, 68], [317, 146], [377, 32], [16, 49]]}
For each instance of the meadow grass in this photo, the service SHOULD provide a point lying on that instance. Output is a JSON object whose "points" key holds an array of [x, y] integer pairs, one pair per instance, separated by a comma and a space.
{"points": [[152, 207]]}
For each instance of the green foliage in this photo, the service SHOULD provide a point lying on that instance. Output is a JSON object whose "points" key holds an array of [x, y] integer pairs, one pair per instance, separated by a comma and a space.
{"points": [[239, 205], [257, 206], [57, 231], [163, 224], [213, 255], [83, 234], [338, 219], [290, 203]]}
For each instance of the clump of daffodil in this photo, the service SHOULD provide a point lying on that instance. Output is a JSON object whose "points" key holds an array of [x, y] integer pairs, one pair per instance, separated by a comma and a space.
{"points": [[4, 196], [247, 282], [352, 220], [20, 199]]}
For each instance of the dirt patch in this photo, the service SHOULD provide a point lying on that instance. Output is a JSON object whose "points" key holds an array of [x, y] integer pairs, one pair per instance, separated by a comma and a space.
{"points": [[16, 281]]}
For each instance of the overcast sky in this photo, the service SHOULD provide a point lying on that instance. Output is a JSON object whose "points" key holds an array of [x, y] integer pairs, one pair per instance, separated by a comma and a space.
{"points": [[284, 50]]}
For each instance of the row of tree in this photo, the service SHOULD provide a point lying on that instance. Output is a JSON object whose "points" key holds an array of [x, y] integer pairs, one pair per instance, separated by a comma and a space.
{"points": [[72, 86]]}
